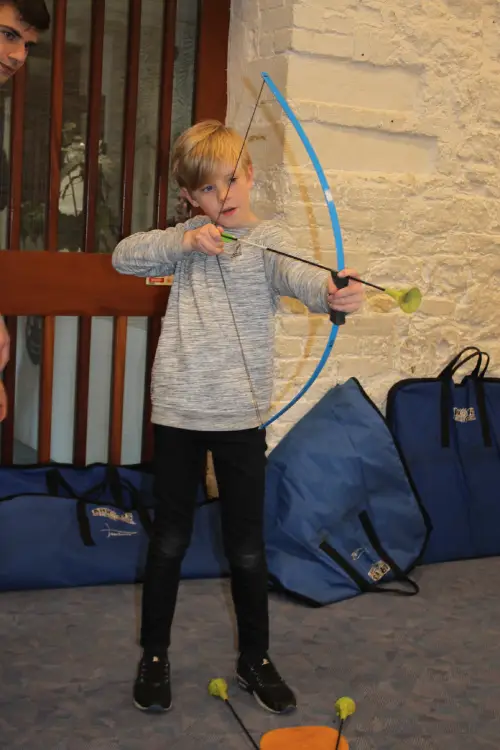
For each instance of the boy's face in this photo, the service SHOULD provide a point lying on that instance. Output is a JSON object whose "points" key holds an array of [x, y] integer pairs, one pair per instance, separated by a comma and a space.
{"points": [[210, 198], [16, 38]]}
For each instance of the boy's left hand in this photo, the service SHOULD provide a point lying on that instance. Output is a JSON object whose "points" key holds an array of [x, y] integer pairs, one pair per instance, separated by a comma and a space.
{"points": [[349, 299]]}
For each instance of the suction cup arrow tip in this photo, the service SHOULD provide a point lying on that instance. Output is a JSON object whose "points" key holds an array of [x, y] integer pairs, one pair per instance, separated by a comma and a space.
{"points": [[345, 707], [218, 688]]}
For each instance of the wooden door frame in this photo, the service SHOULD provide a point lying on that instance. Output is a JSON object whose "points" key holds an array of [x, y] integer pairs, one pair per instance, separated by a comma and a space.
{"points": [[84, 284]]}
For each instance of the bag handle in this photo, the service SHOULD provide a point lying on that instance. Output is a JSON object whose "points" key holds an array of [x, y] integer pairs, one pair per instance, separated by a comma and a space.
{"points": [[361, 583], [477, 373], [374, 540], [477, 377], [457, 362], [56, 482]]}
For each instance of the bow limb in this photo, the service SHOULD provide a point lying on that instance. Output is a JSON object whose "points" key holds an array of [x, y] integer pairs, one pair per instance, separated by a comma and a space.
{"points": [[336, 318]]}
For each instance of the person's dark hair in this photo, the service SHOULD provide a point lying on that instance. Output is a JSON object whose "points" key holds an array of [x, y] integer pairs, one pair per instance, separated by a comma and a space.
{"points": [[33, 12]]}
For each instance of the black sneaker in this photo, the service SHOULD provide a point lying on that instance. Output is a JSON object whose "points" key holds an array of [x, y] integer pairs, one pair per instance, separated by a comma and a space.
{"points": [[260, 678], [152, 686]]}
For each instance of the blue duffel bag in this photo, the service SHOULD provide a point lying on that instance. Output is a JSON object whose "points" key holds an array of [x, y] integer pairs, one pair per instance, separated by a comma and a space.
{"points": [[62, 526], [341, 515], [449, 434]]}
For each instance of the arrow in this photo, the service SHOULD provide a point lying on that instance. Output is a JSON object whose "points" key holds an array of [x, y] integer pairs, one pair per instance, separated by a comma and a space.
{"points": [[408, 300]]}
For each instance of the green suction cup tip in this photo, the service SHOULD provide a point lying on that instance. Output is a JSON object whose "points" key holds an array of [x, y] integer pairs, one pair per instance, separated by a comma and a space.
{"points": [[408, 299], [345, 707], [411, 300], [218, 688]]}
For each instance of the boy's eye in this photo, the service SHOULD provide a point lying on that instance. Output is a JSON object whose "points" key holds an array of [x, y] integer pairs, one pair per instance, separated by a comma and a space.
{"points": [[207, 189], [9, 36], [233, 179]]}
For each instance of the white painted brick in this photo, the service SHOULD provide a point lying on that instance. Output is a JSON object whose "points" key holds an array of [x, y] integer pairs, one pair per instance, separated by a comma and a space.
{"points": [[363, 150], [401, 101], [438, 307], [283, 40], [338, 6], [341, 23], [322, 43], [309, 17], [276, 18], [271, 4], [388, 120], [289, 347], [370, 45], [266, 45], [354, 84]]}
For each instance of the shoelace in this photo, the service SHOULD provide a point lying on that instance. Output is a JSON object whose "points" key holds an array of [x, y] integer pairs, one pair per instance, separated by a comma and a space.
{"points": [[267, 668], [156, 669]]}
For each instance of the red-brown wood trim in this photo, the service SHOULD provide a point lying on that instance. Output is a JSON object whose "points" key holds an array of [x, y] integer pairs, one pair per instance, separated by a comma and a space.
{"points": [[90, 194], [74, 284], [90, 197], [82, 391], [56, 122], [210, 100], [16, 159], [14, 242], [130, 116], [128, 164], [117, 391], [46, 390], [52, 224], [165, 117], [161, 193]]}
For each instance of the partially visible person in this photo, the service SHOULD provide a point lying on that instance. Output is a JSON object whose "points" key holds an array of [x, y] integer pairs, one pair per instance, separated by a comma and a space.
{"points": [[21, 22]]}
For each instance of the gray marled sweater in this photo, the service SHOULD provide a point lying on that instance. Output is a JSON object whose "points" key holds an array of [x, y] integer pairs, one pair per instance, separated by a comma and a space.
{"points": [[200, 381]]}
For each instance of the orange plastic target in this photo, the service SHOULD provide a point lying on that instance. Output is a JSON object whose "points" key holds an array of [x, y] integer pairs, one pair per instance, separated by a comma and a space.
{"points": [[303, 738]]}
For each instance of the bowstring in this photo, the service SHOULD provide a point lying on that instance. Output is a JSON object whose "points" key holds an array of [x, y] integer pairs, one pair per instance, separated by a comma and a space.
{"points": [[240, 342]]}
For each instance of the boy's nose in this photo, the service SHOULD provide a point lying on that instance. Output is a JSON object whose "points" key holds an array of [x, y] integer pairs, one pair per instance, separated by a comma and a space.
{"points": [[221, 192]]}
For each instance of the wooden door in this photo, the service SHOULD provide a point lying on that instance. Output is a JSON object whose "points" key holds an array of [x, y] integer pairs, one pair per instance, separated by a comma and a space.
{"points": [[109, 67]]}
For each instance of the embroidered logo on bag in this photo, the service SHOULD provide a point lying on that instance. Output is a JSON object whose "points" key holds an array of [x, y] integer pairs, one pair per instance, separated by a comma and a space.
{"points": [[379, 570], [114, 515], [357, 553], [464, 415], [116, 532]]}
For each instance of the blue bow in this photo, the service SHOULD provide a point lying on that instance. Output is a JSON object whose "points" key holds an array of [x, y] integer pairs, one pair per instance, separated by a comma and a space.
{"points": [[339, 245]]}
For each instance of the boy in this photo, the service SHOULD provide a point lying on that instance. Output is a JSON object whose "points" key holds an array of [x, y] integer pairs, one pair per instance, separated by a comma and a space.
{"points": [[212, 382]]}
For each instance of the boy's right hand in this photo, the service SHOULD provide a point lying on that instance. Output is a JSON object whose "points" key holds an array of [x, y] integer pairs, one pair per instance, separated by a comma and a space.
{"points": [[206, 239]]}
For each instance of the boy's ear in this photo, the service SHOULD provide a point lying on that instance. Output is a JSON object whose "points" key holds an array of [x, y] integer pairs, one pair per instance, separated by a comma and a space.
{"points": [[185, 194], [250, 175]]}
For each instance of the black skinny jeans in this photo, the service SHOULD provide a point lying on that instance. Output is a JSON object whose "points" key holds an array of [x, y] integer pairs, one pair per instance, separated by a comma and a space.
{"points": [[239, 461]]}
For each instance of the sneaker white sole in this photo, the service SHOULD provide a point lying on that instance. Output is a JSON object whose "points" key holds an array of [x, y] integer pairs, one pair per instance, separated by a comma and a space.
{"points": [[243, 684], [154, 709]]}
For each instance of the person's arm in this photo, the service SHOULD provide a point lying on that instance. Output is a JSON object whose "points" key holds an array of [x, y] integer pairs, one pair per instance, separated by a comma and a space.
{"points": [[315, 288], [291, 278], [154, 253], [4, 344]]}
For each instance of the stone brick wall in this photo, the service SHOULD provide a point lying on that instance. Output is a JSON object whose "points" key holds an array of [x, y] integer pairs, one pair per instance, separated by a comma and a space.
{"points": [[401, 100]]}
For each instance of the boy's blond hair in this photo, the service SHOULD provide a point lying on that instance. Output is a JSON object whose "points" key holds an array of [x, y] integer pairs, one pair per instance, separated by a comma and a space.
{"points": [[204, 148]]}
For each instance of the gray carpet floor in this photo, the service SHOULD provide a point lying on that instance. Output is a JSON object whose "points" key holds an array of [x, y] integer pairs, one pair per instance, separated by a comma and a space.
{"points": [[424, 671]]}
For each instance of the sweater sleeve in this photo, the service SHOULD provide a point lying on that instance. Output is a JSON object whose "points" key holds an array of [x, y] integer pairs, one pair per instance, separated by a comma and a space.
{"points": [[291, 278], [154, 253]]}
